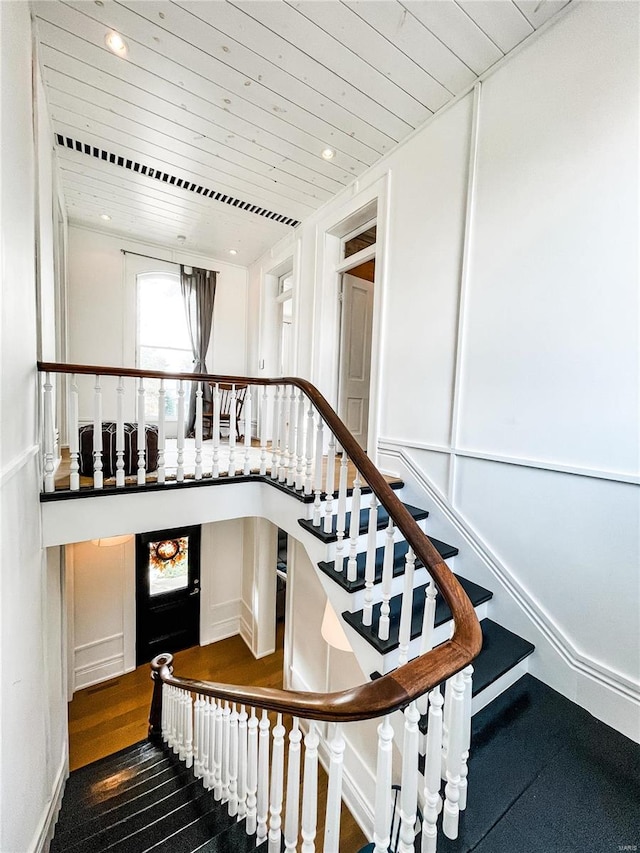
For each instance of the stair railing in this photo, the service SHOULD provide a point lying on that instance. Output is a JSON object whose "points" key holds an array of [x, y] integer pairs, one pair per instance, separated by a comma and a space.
{"points": [[293, 427]]}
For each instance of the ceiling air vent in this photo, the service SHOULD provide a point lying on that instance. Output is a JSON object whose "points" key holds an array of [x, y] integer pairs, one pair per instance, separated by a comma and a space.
{"points": [[159, 175]]}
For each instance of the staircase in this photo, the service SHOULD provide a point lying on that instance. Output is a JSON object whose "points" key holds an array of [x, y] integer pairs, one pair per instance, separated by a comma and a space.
{"points": [[140, 799]]}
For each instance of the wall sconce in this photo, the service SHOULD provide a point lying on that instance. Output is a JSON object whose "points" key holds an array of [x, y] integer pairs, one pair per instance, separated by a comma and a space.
{"points": [[332, 631]]}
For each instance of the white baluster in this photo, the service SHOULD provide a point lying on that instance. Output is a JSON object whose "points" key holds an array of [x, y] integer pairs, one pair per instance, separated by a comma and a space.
{"points": [[308, 481], [310, 790], [291, 437], [277, 783], [382, 816], [180, 437], [49, 438], [263, 778], [330, 485], [428, 627], [370, 566], [252, 772], [218, 753], [432, 773], [215, 472], [387, 580], [247, 432], [354, 531], [467, 674], [97, 436], [209, 741], [334, 792], [198, 431], [341, 519], [142, 434], [181, 732], [454, 757], [406, 612], [242, 763], [263, 432], [232, 431], [74, 467], [285, 424], [300, 444], [188, 733], [409, 786], [120, 433], [233, 762], [226, 734], [165, 711], [197, 736], [161, 476], [317, 474], [293, 789], [275, 434]]}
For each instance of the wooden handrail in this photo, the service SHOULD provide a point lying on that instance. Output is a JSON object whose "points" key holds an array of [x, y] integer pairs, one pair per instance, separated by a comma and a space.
{"points": [[390, 692]]}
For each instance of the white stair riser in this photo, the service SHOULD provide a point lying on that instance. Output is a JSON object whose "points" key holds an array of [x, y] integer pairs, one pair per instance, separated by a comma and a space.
{"points": [[397, 587]]}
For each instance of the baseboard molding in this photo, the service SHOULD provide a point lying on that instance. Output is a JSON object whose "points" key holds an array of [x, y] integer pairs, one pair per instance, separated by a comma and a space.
{"points": [[222, 630], [621, 707], [246, 632], [44, 833], [99, 671]]}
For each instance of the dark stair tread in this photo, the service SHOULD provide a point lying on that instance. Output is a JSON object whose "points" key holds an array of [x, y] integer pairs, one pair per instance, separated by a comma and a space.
{"points": [[476, 593], [234, 840], [396, 485], [121, 823], [399, 553], [383, 519], [135, 755], [191, 836]]}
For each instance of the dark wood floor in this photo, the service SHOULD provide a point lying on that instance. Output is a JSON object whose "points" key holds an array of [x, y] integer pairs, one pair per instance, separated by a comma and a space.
{"points": [[110, 716]]}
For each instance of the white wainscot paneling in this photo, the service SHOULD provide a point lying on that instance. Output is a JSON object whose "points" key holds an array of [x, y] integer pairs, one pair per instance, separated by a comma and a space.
{"points": [[551, 334], [573, 543], [435, 464], [99, 661]]}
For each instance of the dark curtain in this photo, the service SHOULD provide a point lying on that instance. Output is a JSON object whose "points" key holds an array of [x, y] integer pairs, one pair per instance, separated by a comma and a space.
{"points": [[199, 294]]}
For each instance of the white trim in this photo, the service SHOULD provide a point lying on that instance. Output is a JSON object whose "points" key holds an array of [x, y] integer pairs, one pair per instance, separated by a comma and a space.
{"points": [[361, 257], [389, 444], [44, 832], [95, 643], [97, 664], [20, 461]]}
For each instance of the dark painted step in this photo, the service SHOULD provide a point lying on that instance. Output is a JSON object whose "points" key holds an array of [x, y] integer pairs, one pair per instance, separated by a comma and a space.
{"points": [[300, 496], [399, 553], [476, 593], [383, 520], [235, 840]]}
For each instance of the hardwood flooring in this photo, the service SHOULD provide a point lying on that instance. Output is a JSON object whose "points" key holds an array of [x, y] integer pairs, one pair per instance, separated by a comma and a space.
{"points": [[113, 715]]}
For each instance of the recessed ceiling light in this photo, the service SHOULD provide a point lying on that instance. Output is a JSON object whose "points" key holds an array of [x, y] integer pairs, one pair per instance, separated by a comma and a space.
{"points": [[106, 217], [116, 43], [233, 251], [181, 238], [328, 154]]}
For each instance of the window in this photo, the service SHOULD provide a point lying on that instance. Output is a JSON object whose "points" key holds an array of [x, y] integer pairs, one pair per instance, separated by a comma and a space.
{"points": [[163, 337], [285, 302]]}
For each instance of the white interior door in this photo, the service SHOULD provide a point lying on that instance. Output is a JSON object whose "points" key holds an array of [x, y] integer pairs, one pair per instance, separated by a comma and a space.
{"points": [[355, 355]]}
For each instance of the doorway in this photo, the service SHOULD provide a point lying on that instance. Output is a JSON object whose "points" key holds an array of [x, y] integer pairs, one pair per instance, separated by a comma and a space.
{"points": [[167, 591], [356, 330]]}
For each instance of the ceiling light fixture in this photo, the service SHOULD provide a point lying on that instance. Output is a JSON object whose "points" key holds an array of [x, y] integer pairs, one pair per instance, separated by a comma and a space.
{"points": [[328, 154], [106, 217], [233, 251], [181, 238], [116, 43]]}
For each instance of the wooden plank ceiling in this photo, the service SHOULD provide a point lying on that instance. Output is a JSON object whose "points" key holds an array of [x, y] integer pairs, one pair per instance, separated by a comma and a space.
{"points": [[213, 124]]}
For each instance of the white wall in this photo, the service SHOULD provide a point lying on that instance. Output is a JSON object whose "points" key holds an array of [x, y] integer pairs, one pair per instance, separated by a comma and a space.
{"points": [[102, 589], [32, 712], [507, 333]]}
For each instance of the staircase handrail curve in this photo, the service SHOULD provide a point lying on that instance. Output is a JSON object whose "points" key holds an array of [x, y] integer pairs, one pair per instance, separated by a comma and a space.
{"points": [[390, 692]]}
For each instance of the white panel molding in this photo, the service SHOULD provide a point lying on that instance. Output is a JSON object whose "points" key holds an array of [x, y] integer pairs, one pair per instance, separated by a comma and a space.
{"points": [[99, 642], [225, 621], [387, 445], [17, 464], [44, 831], [99, 671], [620, 687]]}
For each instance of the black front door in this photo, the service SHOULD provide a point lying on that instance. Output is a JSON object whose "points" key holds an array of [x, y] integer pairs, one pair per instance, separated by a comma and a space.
{"points": [[167, 591]]}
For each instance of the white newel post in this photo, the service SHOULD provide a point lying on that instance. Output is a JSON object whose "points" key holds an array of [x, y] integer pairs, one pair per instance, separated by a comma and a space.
{"points": [[247, 432], [432, 803], [334, 791], [382, 819], [387, 580], [215, 471], [330, 484], [277, 784], [467, 676], [354, 530], [74, 479], [409, 786], [252, 772], [180, 437], [406, 611], [293, 789], [97, 436], [310, 790], [198, 431], [263, 778], [242, 762], [142, 434], [317, 474], [161, 433], [455, 720], [370, 566]]}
